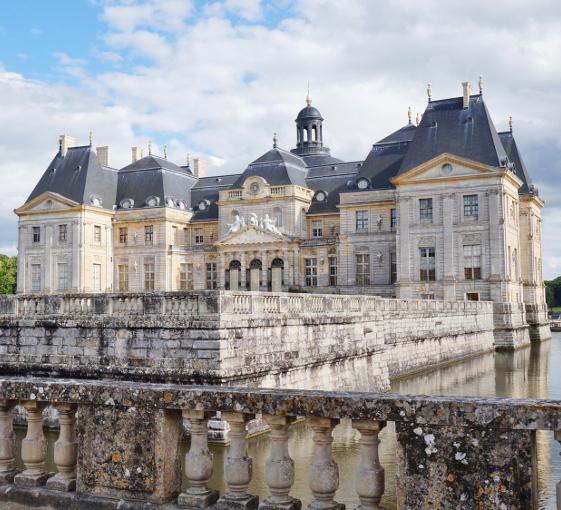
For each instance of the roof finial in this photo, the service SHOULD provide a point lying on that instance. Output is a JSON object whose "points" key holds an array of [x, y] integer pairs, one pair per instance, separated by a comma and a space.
{"points": [[480, 84], [165, 152], [510, 122], [409, 114], [275, 140], [418, 119], [429, 92], [308, 97], [188, 159], [149, 147], [91, 138]]}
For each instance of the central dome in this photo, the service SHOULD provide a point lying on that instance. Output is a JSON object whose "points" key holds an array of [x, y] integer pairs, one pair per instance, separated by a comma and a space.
{"points": [[309, 112]]}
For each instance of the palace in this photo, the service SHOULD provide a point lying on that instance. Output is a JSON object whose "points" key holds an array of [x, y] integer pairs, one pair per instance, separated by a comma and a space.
{"points": [[442, 208]]}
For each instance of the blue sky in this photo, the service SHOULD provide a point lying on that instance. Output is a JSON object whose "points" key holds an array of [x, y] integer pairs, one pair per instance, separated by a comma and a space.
{"points": [[216, 79]]}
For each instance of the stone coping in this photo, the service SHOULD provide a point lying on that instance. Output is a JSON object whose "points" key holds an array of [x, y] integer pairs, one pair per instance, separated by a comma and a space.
{"points": [[496, 413]]}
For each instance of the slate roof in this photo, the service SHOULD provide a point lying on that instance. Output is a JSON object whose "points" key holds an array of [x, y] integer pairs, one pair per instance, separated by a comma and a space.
{"points": [[78, 176], [448, 127], [509, 144], [208, 188], [309, 112], [383, 162]]}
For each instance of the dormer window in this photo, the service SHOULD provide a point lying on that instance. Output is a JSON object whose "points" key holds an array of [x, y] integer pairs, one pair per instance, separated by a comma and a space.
{"points": [[127, 203], [153, 201]]}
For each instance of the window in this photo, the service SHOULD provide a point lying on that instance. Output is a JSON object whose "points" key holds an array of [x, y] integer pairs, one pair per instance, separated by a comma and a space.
{"points": [[393, 219], [472, 296], [185, 276], [123, 235], [427, 296], [425, 209], [211, 282], [317, 228], [393, 267], [332, 271], [97, 277], [36, 234], [472, 262], [62, 276], [428, 272], [123, 277], [199, 238], [311, 272], [174, 235], [471, 206], [362, 269], [97, 234], [62, 233], [277, 217], [149, 276], [35, 277], [362, 220], [148, 234]]}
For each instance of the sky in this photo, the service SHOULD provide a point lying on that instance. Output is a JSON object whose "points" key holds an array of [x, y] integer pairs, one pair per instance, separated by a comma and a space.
{"points": [[216, 79]]}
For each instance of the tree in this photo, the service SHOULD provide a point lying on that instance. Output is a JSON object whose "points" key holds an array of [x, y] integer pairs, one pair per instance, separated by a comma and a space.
{"points": [[553, 292], [8, 268]]}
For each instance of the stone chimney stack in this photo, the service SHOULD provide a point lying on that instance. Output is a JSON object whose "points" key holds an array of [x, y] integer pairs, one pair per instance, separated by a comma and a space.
{"points": [[467, 92], [199, 167], [136, 155], [65, 142], [103, 155]]}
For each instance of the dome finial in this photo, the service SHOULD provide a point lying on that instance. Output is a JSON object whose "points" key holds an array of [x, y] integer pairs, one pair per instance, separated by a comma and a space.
{"points": [[409, 115], [429, 92], [480, 84], [91, 138], [275, 140], [308, 97], [418, 119], [510, 122]]}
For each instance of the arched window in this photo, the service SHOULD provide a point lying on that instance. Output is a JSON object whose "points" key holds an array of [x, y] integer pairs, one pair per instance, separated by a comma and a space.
{"points": [[255, 264], [235, 264], [305, 131], [314, 133]]}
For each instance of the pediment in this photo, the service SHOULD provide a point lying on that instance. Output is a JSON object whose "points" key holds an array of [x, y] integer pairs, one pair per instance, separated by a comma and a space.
{"points": [[46, 202], [250, 235], [442, 168]]}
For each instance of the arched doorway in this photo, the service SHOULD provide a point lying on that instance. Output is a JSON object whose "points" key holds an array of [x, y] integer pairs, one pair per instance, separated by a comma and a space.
{"points": [[233, 276], [255, 267], [277, 266]]}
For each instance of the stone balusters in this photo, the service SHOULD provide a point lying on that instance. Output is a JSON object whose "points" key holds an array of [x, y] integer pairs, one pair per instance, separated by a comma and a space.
{"points": [[33, 447], [198, 463], [323, 475], [7, 442], [238, 467], [279, 467], [66, 450], [370, 473]]}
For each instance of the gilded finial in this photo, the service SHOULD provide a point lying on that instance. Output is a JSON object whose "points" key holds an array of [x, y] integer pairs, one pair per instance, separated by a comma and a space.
{"points": [[409, 114], [308, 97], [275, 140], [165, 152], [429, 92], [149, 147], [510, 122], [91, 138], [418, 119], [480, 84]]}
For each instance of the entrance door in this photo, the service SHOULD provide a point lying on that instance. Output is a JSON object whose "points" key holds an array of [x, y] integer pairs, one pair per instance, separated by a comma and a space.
{"points": [[234, 279], [276, 279], [255, 275]]}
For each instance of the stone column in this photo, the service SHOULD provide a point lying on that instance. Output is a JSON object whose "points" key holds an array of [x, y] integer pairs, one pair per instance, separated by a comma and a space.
{"points": [[370, 473], [23, 237], [285, 274], [296, 266], [198, 463], [7, 442], [221, 272], [238, 467], [243, 271], [33, 447], [264, 271], [449, 247], [279, 467], [66, 450], [323, 474]]}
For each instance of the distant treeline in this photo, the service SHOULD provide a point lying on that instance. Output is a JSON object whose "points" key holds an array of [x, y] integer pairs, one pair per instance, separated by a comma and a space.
{"points": [[553, 292], [8, 267]]}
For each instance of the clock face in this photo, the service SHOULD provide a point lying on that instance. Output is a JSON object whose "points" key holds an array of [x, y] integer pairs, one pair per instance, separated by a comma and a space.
{"points": [[446, 169], [362, 184], [254, 187]]}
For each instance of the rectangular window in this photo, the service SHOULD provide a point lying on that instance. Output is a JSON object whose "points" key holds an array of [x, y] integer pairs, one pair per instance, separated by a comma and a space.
{"points": [[62, 233], [425, 209], [472, 262], [362, 220], [393, 267], [427, 296], [393, 219], [97, 234], [174, 235], [185, 276], [311, 272], [149, 276], [36, 234], [427, 264], [123, 277], [148, 234], [97, 277], [332, 271], [362, 269], [36, 277], [62, 276], [471, 206], [211, 282], [199, 237], [317, 228], [123, 235], [472, 296]]}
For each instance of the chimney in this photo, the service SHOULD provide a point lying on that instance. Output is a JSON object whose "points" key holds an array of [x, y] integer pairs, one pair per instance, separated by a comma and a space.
{"points": [[199, 167], [136, 154], [103, 155], [65, 142], [467, 92]]}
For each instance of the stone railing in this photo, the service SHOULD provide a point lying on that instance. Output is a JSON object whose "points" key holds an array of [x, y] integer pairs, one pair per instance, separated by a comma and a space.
{"points": [[122, 440]]}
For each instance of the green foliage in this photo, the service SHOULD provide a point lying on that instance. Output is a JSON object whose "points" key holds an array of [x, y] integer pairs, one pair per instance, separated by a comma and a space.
{"points": [[553, 292], [8, 268]]}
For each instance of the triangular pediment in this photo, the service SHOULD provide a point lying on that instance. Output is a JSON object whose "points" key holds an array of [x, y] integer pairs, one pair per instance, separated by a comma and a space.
{"points": [[250, 235], [442, 168], [47, 201]]}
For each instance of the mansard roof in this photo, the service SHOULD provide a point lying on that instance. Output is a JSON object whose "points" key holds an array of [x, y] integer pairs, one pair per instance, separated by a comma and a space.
{"points": [[79, 177], [208, 188], [509, 144], [404, 134], [383, 162], [448, 127]]}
